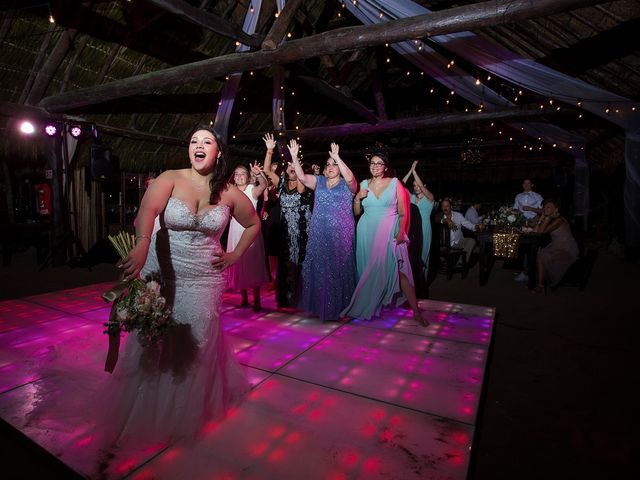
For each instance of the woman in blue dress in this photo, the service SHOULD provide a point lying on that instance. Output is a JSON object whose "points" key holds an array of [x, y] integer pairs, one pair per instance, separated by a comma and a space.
{"points": [[423, 199], [382, 258], [328, 271]]}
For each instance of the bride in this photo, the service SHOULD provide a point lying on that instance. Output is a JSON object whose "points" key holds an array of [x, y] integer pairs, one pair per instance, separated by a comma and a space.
{"points": [[171, 390]]}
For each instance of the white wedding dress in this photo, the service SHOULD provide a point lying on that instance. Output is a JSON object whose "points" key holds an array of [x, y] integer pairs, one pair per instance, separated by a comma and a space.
{"points": [[172, 389]]}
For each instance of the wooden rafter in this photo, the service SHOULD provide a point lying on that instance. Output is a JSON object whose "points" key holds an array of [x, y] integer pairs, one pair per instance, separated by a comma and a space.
{"points": [[412, 123], [468, 17], [207, 20], [280, 26]]}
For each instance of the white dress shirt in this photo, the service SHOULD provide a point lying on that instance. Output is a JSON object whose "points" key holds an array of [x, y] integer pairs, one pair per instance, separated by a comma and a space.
{"points": [[529, 199], [457, 218], [472, 215]]}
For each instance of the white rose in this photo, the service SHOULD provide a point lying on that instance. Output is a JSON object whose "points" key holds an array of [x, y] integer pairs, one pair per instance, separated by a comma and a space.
{"points": [[153, 287], [511, 218], [122, 315]]}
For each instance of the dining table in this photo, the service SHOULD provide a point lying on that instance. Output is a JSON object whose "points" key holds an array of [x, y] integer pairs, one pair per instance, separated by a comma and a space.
{"points": [[528, 242]]}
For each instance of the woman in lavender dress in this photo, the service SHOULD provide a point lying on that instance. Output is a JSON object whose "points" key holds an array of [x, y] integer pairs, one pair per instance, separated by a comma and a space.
{"points": [[328, 271]]}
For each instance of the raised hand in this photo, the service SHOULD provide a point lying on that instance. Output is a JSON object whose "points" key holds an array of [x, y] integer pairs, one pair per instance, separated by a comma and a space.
{"points": [[414, 165], [256, 168], [293, 149], [334, 152], [362, 193], [269, 141], [316, 169]]}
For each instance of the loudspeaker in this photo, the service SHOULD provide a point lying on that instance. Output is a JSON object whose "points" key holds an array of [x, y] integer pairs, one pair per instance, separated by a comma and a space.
{"points": [[102, 165]]}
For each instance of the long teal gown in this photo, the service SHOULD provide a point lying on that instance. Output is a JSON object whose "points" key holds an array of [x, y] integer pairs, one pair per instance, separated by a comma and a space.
{"points": [[379, 259], [426, 207]]}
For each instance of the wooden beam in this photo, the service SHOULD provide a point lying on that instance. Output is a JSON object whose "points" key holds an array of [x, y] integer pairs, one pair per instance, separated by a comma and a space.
{"points": [[412, 123], [207, 20], [339, 97], [281, 25], [468, 17], [50, 66]]}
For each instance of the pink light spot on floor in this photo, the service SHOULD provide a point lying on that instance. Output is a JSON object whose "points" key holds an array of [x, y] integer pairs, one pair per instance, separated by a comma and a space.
{"points": [[171, 455], [126, 465], [379, 415], [277, 431], [386, 436], [350, 458], [337, 476], [144, 475], [369, 430], [83, 442], [259, 449], [293, 437], [371, 465], [460, 438], [277, 455], [316, 415]]}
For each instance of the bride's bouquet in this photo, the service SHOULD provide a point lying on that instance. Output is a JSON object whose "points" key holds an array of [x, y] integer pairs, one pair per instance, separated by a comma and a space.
{"points": [[138, 305]]}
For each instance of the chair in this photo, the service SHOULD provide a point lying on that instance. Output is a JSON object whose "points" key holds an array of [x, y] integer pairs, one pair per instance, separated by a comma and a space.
{"points": [[451, 259]]}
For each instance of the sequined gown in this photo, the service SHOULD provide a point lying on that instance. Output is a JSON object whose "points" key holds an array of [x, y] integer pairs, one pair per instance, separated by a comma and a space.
{"points": [[379, 259], [328, 271], [171, 390], [251, 270], [295, 213]]}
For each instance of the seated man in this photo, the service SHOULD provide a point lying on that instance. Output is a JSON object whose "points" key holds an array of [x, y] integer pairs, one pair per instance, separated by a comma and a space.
{"points": [[472, 213], [455, 220]]}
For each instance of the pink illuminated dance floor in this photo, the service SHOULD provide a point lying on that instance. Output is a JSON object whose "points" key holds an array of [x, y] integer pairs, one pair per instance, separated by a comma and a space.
{"points": [[383, 399]]}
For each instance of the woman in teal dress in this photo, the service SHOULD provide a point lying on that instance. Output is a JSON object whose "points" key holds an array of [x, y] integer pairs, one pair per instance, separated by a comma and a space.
{"points": [[382, 258], [424, 200]]}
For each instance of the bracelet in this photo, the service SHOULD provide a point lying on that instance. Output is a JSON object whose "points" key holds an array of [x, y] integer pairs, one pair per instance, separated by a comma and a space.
{"points": [[138, 237], [270, 152]]}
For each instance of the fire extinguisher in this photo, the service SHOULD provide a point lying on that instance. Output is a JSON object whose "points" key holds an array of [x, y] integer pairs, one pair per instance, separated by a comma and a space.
{"points": [[43, 198]]}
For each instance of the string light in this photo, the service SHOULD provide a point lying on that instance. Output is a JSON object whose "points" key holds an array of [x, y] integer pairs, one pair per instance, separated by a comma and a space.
{"points": [[488, 77], [388, 60], [477, 81], [289, 35], [431, 91], [51, 19]]}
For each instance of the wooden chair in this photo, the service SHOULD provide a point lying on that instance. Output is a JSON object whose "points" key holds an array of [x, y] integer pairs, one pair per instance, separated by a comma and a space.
{"points": [[451, 259]]}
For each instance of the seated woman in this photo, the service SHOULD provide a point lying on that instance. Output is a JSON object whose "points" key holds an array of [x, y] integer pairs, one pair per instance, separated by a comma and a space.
{"points": [[554, 260]]}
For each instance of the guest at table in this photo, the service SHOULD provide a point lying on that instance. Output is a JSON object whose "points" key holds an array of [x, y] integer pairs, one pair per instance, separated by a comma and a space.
{"points": [[472, 213], [528, 201], [455, 221], [530, 204], [554, 260]]}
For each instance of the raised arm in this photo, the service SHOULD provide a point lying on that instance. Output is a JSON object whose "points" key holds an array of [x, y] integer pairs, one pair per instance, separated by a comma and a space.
{"points": [[256, 169], [270, 143], [345, 171], [308, 181], [153, 203], [406, 177], [425, 191]]}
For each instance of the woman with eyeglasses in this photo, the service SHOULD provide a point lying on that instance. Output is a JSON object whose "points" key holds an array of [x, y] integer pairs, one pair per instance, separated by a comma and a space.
{"points": [[382, 257], [329, 268]]}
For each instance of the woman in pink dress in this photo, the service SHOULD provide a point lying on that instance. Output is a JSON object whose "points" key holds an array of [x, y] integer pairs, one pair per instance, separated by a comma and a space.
{"points": [[554, 260], [251, 270]]}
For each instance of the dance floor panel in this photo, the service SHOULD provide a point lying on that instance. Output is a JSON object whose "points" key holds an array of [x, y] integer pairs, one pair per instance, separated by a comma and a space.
{"points": [[376, 399]]}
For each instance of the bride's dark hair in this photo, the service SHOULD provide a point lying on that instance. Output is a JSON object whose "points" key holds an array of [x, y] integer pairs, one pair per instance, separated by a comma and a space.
{"points": [[219, 180]]}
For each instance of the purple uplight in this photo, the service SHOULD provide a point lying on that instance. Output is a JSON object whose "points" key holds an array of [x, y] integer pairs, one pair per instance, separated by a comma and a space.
{"points": [[50, 129]]}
